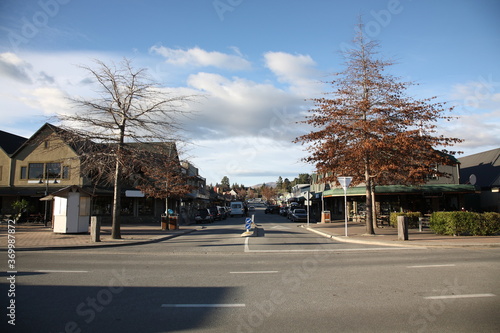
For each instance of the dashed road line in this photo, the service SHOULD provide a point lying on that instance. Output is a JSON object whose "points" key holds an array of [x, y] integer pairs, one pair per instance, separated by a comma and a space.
{"points": [[203, 305], [460, 296], [431, 266]]}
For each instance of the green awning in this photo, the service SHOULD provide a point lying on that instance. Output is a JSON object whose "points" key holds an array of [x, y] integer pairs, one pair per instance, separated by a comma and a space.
{"points": [[402, 189]]}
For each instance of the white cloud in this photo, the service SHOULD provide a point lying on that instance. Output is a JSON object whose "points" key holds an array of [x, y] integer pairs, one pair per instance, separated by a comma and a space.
{"points": [[197, 57], [13, 67], [478, 110], [237, 106], [47, 99], [296, 70]]}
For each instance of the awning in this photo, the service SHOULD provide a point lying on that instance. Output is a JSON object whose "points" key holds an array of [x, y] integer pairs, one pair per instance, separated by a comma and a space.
{"points": [[402, 189]]}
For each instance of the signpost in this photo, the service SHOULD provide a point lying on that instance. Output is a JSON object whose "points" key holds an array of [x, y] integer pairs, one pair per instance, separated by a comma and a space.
{"points": [[309, 195], [344, 182], [248, 224]]}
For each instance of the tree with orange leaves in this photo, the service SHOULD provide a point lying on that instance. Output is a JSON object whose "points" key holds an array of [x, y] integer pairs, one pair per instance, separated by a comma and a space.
{"points": [[369, 127]]}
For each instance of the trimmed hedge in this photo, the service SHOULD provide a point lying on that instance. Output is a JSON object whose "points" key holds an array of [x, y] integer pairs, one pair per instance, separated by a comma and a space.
{"points": [[412, 219], [465, 223]]}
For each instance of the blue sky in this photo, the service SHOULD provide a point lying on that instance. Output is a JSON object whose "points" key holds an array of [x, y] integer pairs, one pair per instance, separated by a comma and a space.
{"points": [[254, 62]]}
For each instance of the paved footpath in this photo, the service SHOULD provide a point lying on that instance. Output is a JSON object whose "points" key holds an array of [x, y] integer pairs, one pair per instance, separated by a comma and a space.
{"points": [[356, 233], [37, 237]]}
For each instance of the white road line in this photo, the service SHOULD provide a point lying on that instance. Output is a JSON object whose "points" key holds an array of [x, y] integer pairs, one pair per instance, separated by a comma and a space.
{"points": [[203, 305], [460, 296], [280, 227], [255, 272], [58, 271], [247, 249], [430, 266]]}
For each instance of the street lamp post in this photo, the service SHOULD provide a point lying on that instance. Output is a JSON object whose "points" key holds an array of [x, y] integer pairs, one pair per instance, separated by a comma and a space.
{"points": [[46, 175]]}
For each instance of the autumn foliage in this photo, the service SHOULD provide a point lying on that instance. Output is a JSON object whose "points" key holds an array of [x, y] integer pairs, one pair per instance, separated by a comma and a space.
{"points": [[368, 127]]}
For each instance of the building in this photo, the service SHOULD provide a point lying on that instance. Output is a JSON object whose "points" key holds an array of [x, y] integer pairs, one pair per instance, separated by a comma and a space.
{"points": [[47, 162], [483, 171], [199, 196], [9, 143], [436, 194]]}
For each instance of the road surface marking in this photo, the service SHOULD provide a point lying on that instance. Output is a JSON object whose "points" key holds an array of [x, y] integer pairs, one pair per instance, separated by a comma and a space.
{"points": [[58, 271], [203, 305], [255, 272], [280, 227], [247, 249], [429, 266], [460, 296]]}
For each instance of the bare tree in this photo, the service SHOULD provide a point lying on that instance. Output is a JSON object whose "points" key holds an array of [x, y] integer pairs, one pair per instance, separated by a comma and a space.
{"points": [[370, 129], [130, 108]]}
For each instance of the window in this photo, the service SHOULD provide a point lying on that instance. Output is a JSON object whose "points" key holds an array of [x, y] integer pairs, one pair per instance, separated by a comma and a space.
{"points": [[24, 171], [146, 206], [65, 173], [35, 171], [53, 170], [44, 171]]}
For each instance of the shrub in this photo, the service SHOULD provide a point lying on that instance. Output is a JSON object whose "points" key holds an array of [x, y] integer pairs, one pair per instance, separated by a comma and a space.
{"points": [[412, 219], [491, 223], [465, 223]]}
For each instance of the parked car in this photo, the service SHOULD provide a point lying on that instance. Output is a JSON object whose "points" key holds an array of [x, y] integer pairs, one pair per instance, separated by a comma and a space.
{"points": [[272, 209], [203, 215], [223, 213], [299, 215], [216, 213]]}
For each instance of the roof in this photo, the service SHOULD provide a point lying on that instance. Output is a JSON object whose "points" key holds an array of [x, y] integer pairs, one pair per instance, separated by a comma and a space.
{"points": [[484, 166], [402, 189], [34, 137], [10, 142]]}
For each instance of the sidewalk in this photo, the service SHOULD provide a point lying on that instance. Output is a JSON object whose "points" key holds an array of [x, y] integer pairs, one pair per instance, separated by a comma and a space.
{"points": [[388, 236], [37, 237]]}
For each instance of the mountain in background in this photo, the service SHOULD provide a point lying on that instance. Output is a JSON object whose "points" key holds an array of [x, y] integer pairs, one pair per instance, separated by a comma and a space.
{"points": [[270, 184]]}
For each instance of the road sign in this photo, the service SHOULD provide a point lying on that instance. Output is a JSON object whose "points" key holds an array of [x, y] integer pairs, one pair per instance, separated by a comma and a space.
{"points": [[248, 223], [344, 182]]}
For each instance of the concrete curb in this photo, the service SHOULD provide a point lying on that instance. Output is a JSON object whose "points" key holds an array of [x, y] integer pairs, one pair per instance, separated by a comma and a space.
{"points": [[398, 244], [103, 245]]}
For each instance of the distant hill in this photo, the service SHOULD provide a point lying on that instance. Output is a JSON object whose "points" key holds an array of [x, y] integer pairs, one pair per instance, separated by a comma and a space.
{"points": [[270, 184]]}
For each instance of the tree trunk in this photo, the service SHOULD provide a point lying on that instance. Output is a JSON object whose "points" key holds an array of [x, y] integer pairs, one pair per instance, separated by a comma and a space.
{"points": [[374, 207], [115, 226], [368, 209]]}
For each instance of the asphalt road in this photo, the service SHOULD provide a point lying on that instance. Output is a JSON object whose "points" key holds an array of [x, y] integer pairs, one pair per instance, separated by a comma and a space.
{"points": [[289, 280]]}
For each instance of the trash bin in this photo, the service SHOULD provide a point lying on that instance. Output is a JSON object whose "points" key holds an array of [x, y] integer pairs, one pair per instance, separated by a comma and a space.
{"points": [[163, 222], [173, 222], [325, 216]]}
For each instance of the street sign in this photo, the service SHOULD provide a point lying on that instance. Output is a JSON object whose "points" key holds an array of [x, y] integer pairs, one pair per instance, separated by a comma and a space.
{"points": [[344, 182], [248, 223]]}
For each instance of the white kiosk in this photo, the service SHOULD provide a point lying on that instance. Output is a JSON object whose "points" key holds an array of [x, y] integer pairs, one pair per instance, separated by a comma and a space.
{"points": [[71, 212]]}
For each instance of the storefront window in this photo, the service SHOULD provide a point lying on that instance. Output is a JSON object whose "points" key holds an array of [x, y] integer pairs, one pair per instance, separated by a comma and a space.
{"points": [[101, 206], [127, 205], [146, 206]]}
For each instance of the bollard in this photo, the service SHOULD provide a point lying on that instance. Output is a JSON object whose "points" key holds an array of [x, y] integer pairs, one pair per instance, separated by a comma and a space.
{"points": [[402, 228], [95, 229]]}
